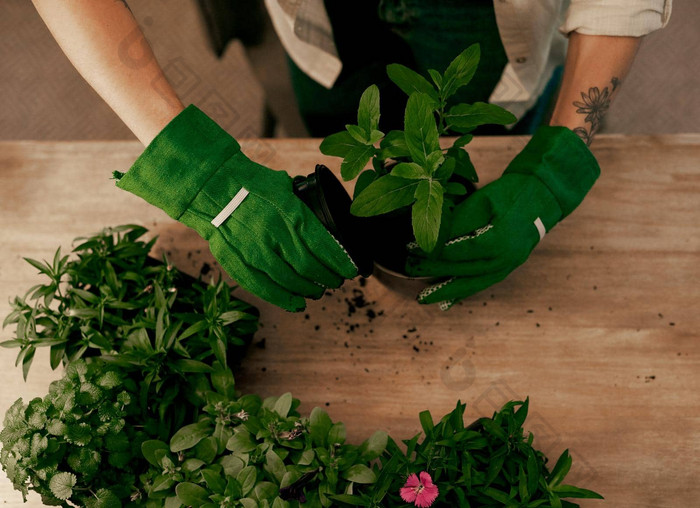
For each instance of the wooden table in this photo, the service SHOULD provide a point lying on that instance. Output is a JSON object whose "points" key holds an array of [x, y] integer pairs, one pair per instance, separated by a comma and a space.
{"points": [[599, 328]]}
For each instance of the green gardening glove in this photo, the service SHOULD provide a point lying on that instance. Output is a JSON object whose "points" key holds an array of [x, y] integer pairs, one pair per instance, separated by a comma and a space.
{"points": [[494, 230], [265, 237]]}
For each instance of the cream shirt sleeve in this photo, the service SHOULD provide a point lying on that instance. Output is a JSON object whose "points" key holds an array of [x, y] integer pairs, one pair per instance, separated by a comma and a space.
{"points": [[633, 18]]}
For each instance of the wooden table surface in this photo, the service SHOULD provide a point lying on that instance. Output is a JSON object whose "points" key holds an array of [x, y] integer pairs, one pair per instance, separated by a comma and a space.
{"points": [[599, 328]]}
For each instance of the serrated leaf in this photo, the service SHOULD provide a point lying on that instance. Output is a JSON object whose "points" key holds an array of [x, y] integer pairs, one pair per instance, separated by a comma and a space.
{"points": [[385, 194], [368, 109], [426, 213], [61, 485], [411, 82], [355, 161], [465, 117], [338, 144]]}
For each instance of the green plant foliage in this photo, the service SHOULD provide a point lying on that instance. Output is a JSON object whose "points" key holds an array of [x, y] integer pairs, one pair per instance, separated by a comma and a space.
{"points": [[75, 439], [488, 463], [115, 303], [111, 433], [251, 452], [415, 152]]}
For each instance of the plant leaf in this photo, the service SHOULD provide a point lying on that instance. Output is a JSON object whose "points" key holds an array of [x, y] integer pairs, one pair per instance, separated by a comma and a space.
{"points": [[355, 161], [338, 144], [366, 177], [61, 485], [368, 110], [420, 129], [463, 164], [465, 117], [385, 194], [191, 494], [409, 170], [571, 491], [189, 435], [394, 145], [359, 473], [411, 82], [436, 77], [460, 71], [427, 213], [358, 133]]}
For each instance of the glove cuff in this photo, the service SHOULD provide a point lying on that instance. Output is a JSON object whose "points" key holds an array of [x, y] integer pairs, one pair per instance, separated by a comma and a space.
{"points": [[177, 163], [562, 161]]}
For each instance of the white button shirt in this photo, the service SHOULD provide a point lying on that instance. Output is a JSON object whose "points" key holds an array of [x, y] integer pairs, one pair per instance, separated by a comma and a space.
{"points": [[534, 34]]}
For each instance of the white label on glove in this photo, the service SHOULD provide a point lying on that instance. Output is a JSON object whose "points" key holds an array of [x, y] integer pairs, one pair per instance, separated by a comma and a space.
{"points": [[228, 209], [540, 228]]}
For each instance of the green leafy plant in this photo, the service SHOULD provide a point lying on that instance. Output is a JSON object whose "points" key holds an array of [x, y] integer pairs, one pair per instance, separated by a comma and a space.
{"points": [[111, 433], [488, 463], [115, 303], [250, 452], [75, 444], [409, 166]]}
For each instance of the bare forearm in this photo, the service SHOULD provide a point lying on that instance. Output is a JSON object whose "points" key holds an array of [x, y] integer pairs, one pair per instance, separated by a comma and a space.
{"points": [[596, 65], [105, 44]]}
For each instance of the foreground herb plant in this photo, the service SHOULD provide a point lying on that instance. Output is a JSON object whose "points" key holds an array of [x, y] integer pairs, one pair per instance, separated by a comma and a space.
{"points": [[111, 433], [425, 176], [116, 303]]}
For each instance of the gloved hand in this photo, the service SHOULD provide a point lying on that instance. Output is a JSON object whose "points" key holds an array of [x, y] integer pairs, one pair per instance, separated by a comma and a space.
{"points": [[267, 239], [494, 230]]}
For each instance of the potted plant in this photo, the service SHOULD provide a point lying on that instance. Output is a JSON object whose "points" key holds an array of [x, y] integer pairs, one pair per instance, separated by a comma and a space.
{"points": [[414, 182]]}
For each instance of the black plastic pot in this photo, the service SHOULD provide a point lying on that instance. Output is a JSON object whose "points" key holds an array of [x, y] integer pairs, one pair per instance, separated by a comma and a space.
{"points": [[371, 241], [323, 193]]}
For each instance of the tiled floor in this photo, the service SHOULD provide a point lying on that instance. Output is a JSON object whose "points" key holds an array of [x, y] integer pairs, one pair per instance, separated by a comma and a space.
{"points": [[43, 97]]}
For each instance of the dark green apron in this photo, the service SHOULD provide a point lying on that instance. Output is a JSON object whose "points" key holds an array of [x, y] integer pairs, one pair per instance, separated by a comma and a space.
{"points": [[421, 34]]}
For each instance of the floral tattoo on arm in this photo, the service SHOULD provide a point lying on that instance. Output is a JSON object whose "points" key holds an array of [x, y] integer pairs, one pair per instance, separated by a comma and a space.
{"points": [[595, 104]]}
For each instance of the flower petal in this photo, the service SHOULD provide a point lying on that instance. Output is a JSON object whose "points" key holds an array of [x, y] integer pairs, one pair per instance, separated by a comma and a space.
{"points": [[408, 494], [412, 480], [425, 479], [427, 496]]}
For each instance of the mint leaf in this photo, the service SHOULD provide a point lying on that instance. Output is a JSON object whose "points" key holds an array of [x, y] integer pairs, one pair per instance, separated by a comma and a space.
{"points": [[394, 145], [465, 117], [462, 140], [411, 82], [420, 129], [385, 194], [426, 214], [358, 133], [463, 164], [338, 144], [366, 177], [409, 170], [355, 161], [436, 77], [460, 71], [444, 172], [368, 110], [434, 160]]}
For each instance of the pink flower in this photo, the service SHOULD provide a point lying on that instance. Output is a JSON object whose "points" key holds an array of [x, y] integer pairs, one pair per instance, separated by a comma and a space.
{"points": [[421, 491]]}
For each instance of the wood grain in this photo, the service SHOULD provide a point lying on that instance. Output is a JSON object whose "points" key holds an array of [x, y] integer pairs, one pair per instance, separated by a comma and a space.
{"points": [[599, 328]]}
